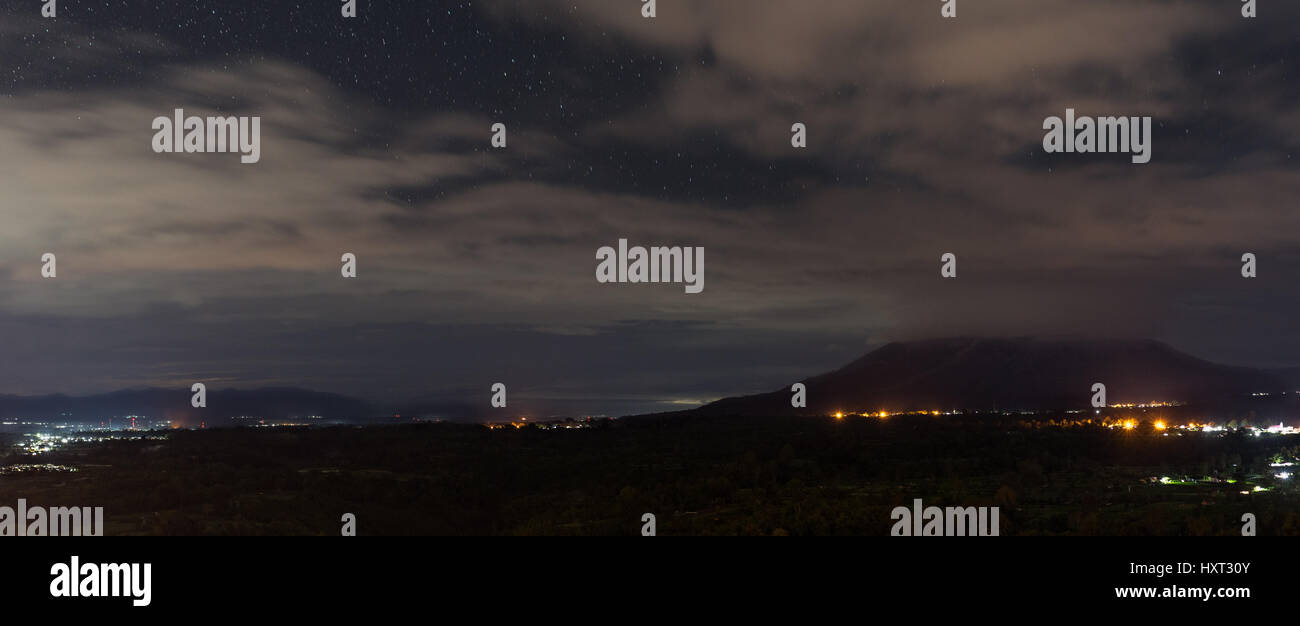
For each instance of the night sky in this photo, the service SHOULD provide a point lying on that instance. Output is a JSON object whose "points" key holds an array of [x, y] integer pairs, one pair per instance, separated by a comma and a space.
{"points": [[477, 265]]}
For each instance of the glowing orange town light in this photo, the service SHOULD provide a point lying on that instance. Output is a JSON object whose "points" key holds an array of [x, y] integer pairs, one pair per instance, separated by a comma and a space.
{"points": [[839, 415], [1160, 425]]}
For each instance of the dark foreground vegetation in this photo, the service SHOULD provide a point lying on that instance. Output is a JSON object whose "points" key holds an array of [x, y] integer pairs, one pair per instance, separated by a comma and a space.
{"points": [[724, 475]]}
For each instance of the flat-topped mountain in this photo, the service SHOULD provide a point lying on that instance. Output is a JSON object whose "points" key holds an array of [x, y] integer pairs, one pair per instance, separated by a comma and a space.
{"points": [[1009, 374]]}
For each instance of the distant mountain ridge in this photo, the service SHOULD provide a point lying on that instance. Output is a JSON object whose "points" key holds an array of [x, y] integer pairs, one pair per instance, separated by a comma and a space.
{"points": [[969, 374], [1010, 374], [174, 404]]}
